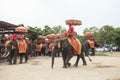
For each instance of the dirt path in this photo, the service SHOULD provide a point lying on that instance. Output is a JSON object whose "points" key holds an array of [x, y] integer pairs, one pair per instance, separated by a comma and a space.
{"points": [[101, 68]]}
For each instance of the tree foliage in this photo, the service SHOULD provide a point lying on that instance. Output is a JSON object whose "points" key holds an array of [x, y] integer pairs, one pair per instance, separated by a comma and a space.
{"points": [[47, 30], [117, 36], [34, 32], [58, 29], [105, 35]]}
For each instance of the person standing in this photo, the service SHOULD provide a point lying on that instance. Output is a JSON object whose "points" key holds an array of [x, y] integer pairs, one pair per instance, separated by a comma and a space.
{"points": [[14, 49]]}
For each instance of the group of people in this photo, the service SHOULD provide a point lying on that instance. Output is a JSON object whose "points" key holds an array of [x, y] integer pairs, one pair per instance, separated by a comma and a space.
{"points": [[16, 45], [20, 45]]}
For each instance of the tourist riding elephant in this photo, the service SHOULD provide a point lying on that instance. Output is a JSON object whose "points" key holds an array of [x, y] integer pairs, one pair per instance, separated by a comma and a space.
{"points": [[67, 53], [90, 45]]}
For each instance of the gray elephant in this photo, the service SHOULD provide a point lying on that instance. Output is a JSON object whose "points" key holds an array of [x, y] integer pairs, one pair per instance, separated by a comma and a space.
{"points": [[67, 53], [88, 47]]}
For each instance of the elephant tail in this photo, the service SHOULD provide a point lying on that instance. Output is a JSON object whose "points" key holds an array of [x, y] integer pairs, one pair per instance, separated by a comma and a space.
{"points": [[89, 58]]}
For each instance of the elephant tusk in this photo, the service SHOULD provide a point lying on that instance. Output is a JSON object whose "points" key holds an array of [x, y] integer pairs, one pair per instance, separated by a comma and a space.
{"points": [[3, 55], [7, 54]]}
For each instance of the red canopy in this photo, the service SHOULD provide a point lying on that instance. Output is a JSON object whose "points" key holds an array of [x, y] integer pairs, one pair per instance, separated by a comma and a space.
{"points": [[40, 37], [59, 35], [73, 22], [50, 36], [88, 33], [21, 29]]}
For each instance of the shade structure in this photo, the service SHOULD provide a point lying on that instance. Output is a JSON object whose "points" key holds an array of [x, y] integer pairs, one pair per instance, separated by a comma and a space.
{"points": [[7, 26], [21, 29], [59, 35], [88, 33], [40, 37], [43, 37], [73, 22], [51, 36]]}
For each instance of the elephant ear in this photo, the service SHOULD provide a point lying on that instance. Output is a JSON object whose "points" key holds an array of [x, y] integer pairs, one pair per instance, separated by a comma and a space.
{"points": [[64, 44]]}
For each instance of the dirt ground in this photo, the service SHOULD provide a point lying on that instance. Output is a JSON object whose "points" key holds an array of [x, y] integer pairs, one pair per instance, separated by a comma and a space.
{"points": [[39, 68]]}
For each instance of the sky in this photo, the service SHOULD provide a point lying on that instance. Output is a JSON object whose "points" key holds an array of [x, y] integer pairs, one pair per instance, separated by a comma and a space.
{"points": [[55, 12]]}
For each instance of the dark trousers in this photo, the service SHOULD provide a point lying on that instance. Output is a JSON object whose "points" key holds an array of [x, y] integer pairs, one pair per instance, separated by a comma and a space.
{"points": [[21, 57], [13, 56]]}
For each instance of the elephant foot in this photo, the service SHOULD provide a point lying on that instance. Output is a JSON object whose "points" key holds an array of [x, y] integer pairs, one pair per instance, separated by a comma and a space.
{"points": [[9, 63], [69, 64], [90, 60], [75, 65], [64, 66], [84, 64]]}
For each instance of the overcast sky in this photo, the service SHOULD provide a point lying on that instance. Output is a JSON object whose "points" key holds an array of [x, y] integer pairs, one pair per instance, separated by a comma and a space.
{"points": [[54, 12]]}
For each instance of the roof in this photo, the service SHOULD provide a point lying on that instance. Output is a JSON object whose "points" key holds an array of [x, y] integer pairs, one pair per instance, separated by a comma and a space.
{"points": [[7, 26]]}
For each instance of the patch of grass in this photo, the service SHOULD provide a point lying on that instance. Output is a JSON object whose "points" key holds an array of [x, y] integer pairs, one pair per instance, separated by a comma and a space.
{"points": [[101, 54]]}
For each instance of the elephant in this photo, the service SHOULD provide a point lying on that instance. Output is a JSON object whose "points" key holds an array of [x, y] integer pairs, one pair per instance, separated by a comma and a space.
{"points": [[48, 51], [88, 47], [67, 53]]}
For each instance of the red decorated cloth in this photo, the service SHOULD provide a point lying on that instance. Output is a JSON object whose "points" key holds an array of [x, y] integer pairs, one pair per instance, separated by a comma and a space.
{"points": [[91, 38], [77, 46], [22, 46], [51, 47], [91, 43]]}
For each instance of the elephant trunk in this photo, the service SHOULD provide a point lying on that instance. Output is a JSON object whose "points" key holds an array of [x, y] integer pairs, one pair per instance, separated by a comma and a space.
{"points": [[53, 55]]}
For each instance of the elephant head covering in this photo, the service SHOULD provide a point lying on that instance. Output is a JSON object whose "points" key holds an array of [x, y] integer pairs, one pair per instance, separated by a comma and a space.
{"points": [[91, 38], [14, 37]]}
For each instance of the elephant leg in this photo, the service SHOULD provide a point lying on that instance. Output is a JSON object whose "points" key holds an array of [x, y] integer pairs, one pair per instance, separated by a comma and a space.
{"points": [[93, 52], [58, 54], [64, 59], [10, 58], [68, 59], [83, 59], [77, 60]]}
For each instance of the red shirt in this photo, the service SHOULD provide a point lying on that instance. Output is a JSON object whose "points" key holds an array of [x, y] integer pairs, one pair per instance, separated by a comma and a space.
{"points": [[71, 29]]}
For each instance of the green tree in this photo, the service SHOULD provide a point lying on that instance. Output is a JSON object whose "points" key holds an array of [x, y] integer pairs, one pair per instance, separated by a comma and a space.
{"points": [[107, 34], [117, 36], [95, 32], [35, 32], [21, 25], [47, 30], [58, 29], [91, 29]]}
